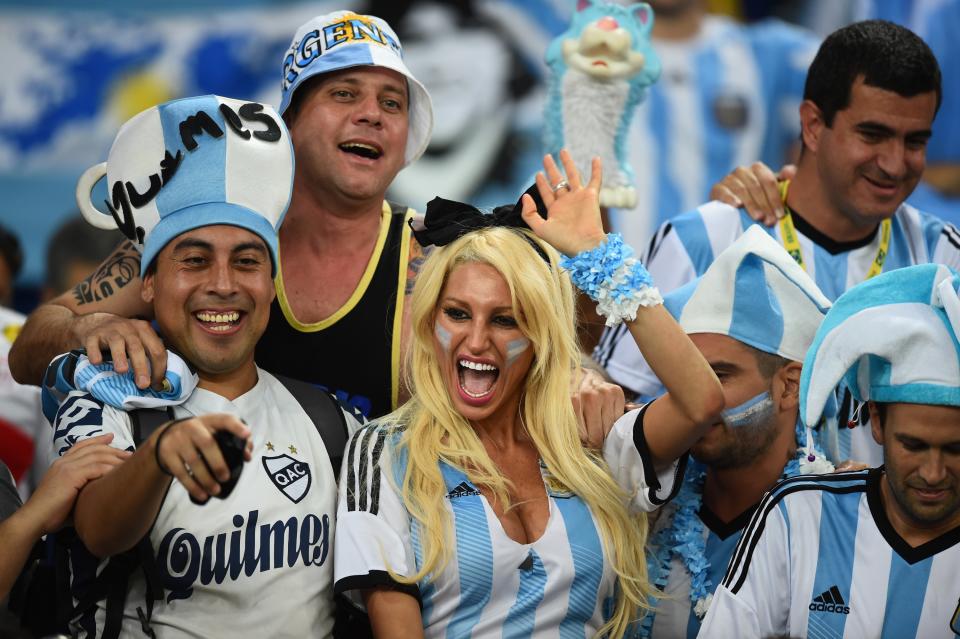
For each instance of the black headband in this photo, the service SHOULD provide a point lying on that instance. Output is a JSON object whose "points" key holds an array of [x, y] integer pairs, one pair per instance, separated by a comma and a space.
{"points": [[446, 220]]}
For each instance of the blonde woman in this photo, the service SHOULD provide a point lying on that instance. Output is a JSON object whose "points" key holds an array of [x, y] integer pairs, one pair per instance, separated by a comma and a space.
{"points": [[474, 510]]}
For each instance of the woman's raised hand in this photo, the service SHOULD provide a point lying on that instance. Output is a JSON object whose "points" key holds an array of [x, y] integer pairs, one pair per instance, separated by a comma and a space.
{"points": [[573, 221]]}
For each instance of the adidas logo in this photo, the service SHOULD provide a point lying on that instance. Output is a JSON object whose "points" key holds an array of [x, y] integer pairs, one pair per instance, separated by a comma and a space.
{"points": [[462, 490], [830, 601]]}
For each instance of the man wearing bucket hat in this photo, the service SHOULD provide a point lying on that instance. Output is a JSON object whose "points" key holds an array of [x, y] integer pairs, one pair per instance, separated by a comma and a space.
{"points": [[752, 314], [357, 116], [869, 102], [875, 552], [203, 183]]}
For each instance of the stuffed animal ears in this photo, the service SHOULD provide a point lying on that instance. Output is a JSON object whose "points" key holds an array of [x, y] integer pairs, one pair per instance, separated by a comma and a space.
{"points": [[642, 11]]}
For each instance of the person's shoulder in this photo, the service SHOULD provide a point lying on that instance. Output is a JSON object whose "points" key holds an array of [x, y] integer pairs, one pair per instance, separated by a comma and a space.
{"points": [[801, 487]]}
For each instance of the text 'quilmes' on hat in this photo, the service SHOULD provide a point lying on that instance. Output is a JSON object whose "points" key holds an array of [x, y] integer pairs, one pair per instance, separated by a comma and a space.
{"points": [[190, 163], [342, 40]]}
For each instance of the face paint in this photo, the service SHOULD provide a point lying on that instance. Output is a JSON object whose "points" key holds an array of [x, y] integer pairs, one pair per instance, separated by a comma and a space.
{"points": [[443, 336], [516, 348], [754, 411]]}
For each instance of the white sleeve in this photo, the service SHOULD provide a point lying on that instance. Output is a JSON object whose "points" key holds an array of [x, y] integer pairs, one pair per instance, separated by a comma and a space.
{"points": [[373, 527], [626, 453], [754, 598], [81, 416]]}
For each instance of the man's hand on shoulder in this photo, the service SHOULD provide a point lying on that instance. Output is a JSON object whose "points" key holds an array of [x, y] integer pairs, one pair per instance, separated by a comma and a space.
{"points": [[598, 404], [755, 189], [128, 342]]}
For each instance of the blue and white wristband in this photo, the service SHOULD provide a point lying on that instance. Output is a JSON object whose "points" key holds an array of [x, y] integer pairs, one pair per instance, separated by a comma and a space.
{"points": [[613, 278]]}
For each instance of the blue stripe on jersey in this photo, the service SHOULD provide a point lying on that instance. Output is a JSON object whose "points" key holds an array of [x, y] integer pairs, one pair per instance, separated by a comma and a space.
{"points": [[692, 233], [668, 201], [523, 612], [906, 588], [427, 589], [587, 552], [838, 535], [899, 255], [717, 552], [831, 271], [717, 144], [474, 556]]}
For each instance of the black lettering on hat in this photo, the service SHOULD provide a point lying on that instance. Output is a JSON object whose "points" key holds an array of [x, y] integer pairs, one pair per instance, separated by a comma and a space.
{"points": [[251, 112], [198, 123], [126, 223], [308, 49], [234, 121], [138, 200]]}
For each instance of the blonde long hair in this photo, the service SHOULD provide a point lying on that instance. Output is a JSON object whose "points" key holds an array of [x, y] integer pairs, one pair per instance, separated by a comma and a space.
{"points": [[543, 305]]}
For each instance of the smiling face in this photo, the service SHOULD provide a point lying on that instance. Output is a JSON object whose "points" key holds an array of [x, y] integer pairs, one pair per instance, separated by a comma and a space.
{"points": [[921, 455], [349, 132], [484, 356], [873, 155], [211, 291]]}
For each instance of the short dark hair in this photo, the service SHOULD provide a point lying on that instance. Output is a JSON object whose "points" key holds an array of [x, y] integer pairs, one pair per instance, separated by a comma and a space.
{"points": [[768, 363], [76, 241], [10, 252], [887, 55]]}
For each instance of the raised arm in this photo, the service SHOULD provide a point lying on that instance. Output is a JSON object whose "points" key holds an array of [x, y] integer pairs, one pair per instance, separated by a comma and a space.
{"points": [[694, 398], [95, 315]]}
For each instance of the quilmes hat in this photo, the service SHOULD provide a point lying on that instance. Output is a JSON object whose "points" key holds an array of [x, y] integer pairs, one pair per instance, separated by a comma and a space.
{"points": [[755, 293], [892, 338], [344, 39], [190, 163]]}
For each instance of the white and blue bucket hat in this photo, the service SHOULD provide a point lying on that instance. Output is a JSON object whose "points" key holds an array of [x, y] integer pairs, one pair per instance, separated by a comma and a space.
{"points": [[190, 163], [344, 39], [755, 293], [892, 338]]}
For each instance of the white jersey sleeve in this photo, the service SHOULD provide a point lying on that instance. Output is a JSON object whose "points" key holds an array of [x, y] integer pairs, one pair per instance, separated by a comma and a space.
{"points": [[754, 598], [626, 453], [81, 416], [373, 528]]}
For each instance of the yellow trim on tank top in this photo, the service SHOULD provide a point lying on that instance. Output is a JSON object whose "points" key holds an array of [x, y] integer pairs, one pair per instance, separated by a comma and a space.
{"points": [[354, 298], [398, 311]]}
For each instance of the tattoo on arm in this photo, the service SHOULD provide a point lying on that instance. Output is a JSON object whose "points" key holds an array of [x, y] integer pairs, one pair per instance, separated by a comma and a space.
{"points": [[118, 270], [418, 254]]}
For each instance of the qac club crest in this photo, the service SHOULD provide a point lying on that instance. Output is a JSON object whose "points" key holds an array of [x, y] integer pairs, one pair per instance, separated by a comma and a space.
{"points": [[290, 475]]}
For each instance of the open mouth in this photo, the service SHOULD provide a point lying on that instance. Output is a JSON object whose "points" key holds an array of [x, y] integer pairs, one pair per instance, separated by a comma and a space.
{"points": [[363, 150], [476, 379], [218, 321]]}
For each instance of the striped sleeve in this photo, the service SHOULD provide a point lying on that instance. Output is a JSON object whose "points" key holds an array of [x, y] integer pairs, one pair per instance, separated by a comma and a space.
{"points": [[373, 527], [626, 453], [81, 416]]}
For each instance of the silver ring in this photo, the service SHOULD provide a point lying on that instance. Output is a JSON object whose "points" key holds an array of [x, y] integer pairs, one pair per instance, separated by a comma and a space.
{"points": [[562, 184], [187, 468]]}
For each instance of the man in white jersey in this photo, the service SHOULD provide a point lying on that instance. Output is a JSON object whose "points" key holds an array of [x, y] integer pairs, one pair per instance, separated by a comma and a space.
{"points": [[259, 560], [863, 154], [728, 95], [753, 315], [872, 553]]}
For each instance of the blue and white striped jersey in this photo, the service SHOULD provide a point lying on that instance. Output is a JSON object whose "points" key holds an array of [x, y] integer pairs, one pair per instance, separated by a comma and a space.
{"points": [[674, 613], [729, 97], [684, 247], [821, 559], [560, 585]]}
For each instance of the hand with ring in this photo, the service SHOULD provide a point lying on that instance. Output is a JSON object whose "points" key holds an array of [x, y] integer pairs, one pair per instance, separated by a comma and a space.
{"points": [[573, 221]]}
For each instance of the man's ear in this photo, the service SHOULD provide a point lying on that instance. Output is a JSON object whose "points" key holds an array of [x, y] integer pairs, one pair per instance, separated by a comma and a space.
{"points": [[146, 288], [786, 386], [876, 425], [811, 124]]}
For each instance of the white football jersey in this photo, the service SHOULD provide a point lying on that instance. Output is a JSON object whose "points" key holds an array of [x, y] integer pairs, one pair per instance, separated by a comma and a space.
{"points": [[258, 563], [561, 585]]}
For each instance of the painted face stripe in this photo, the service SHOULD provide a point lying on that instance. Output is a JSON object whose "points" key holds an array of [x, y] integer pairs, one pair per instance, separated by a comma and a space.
{"points": [[587, 554], [755, 410], [523, 612], [516, 348]]}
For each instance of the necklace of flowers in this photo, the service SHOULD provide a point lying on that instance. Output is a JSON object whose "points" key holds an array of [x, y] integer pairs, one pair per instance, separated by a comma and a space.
{"points": [[684, 536]]}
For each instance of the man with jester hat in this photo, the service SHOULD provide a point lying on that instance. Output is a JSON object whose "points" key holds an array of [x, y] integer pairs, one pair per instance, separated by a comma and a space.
{"points": [[752, 315]]}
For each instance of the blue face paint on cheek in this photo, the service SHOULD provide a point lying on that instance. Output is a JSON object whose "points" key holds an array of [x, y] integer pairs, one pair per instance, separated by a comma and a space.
{"points": [[756, 410], [516, 348], [443, 336]]}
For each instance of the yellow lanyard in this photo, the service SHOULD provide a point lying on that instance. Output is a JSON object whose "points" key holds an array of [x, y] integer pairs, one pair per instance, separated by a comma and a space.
{"points": [[792, 243]]}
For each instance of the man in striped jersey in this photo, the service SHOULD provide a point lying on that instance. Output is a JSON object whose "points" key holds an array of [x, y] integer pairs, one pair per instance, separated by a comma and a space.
{"points": [[756, 353], [863, 154], [872, 553]]}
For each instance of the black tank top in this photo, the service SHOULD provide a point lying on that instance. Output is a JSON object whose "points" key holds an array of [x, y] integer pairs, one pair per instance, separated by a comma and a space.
{"points": [[354, 353]]}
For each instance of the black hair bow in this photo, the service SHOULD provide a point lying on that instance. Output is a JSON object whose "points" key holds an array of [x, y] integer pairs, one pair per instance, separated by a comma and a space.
{"points": [[446, 220]]}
